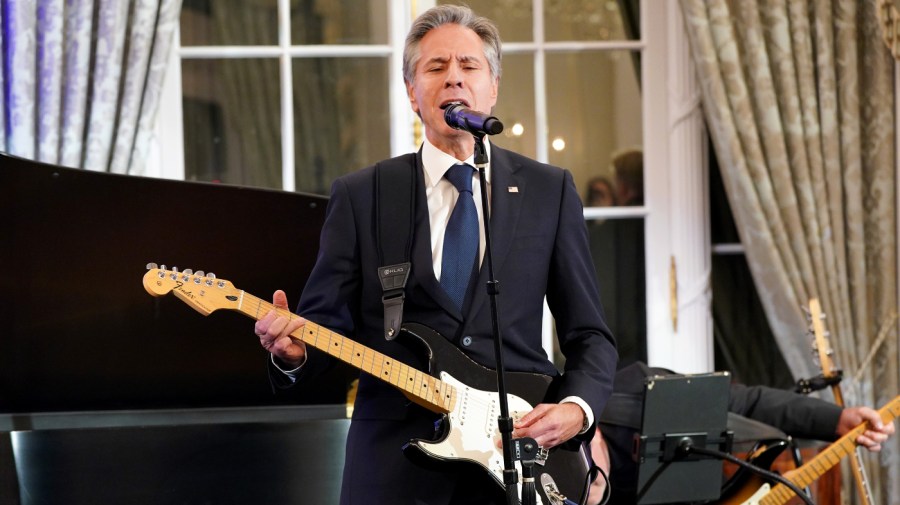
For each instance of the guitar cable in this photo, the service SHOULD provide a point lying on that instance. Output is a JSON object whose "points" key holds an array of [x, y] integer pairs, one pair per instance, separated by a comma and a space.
{"points": [[687, 448], [606, 489], [557, 498]]}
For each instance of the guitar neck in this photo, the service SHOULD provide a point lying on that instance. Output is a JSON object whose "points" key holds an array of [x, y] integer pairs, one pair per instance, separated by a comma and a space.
{"points": [[829, 370], [856, 463], [425, 390], [827, 458]]}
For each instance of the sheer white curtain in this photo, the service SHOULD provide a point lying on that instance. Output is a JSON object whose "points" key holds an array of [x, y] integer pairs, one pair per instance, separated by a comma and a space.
{"points": [[81, 79]]}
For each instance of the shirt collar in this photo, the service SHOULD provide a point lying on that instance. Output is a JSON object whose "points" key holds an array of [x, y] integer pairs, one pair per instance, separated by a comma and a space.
{"points": [[436, 162]]}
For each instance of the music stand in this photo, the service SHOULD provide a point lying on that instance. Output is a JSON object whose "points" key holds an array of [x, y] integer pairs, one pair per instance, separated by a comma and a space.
{"points": [[682, 410]]}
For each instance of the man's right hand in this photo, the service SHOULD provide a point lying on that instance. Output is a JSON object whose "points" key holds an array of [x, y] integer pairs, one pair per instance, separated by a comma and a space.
{"points": [[876, 432], [274, 332]]}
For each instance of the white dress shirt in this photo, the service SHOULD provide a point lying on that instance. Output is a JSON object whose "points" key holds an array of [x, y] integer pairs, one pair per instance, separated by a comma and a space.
{"points": [[442, 195]]}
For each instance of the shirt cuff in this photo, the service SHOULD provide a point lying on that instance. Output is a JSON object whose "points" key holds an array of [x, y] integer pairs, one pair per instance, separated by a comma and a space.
{"points": [[584, 406], [291, 374]]}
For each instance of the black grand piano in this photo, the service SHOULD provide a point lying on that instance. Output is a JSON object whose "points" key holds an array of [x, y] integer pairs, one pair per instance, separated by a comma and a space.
{"points": [[111, 396]]}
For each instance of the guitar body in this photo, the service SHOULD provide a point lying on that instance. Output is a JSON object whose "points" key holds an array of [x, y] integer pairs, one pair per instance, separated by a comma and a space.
{"points": [[746, 485], [470, 431]]}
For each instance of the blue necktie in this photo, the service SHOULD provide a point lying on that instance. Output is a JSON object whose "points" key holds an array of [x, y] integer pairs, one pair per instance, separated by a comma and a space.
{"points": [[461, 236]]}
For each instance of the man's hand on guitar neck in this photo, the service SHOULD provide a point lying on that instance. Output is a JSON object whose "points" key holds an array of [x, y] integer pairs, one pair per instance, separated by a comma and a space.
{"points": [[274, 333], [877, 432]]}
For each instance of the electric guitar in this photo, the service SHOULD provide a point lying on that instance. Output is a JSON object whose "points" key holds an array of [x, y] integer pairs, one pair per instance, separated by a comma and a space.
{"points": [[463, 391], [829, 371], [815, 468]]}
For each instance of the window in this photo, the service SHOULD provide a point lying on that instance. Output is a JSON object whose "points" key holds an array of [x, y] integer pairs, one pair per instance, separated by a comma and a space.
{"points": [[289, 94]]}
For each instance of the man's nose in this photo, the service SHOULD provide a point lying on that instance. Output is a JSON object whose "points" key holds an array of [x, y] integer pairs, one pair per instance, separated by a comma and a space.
{"points": [[454, 76]]}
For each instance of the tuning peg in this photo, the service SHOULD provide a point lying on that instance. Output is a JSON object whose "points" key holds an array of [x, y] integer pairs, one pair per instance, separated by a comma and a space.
{"points": [[200, 273], [163, 267], [151, 266], [210, 277], [188, 271]]}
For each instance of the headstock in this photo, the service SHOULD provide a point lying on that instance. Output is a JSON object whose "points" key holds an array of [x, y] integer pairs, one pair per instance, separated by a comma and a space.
{"points": [[204, 292], [821, 344]]}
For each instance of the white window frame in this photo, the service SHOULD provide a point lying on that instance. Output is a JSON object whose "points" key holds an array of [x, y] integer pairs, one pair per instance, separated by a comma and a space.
{"points": [[676, 213], [679, 298]]}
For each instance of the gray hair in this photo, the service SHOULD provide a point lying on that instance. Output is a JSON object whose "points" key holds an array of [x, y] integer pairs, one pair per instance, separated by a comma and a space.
{"points": [[451, 14]]}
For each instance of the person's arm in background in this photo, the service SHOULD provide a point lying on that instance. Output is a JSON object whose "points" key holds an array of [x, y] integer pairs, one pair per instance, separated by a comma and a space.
{"points": [[807, 417]]}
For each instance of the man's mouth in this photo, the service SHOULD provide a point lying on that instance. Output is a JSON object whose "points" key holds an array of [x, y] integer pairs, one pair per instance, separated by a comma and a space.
{"points": [[453, 102]]}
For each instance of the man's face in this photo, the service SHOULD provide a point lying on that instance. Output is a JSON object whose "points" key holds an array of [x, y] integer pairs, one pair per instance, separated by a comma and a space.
{"points": [[451, 68]]}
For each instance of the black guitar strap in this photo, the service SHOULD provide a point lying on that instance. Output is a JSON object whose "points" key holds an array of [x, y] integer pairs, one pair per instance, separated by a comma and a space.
{"points": [[395, 200]]}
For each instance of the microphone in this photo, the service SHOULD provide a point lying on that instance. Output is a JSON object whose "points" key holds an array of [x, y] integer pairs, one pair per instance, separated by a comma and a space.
{"points": [[460, 117]]}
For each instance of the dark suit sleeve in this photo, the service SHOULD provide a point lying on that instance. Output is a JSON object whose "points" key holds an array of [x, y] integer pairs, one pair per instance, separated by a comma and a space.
{"points": [[574, 300], [796, 415]]}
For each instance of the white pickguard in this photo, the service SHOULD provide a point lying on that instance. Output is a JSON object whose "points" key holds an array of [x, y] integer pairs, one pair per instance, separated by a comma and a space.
{"points": [[474, 434]]}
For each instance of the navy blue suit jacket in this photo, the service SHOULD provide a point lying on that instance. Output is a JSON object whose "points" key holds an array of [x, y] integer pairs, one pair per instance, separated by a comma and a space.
{"points": [[540, 246]]}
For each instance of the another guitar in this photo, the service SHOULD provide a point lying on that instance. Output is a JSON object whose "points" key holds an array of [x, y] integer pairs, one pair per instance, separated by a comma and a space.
{"points": [[829, 370], [463, 391], [816, 467]]}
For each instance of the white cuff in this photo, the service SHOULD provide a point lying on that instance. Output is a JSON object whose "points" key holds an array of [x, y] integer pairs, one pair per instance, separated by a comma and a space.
{"points": [[584, 406], [291, 374]]}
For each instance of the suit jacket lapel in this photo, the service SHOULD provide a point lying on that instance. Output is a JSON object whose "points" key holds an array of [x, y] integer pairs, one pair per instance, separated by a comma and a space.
{"points": [[507, 193]]}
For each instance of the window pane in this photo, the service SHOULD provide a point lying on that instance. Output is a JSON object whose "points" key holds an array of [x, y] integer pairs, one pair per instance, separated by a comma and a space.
{"points": [[343, 22], [232, 130], [594, 114], [617, 246], [229, 22], [583, 20], [339, 125], [512, 17], [515, 105]]}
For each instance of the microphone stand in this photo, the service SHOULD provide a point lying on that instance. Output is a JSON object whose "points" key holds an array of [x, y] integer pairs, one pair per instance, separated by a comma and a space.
{"points": [[504, 421]]}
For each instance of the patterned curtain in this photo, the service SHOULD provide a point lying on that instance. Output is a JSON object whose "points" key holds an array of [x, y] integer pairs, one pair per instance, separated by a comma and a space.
{"points": [[799, 100], [81, 79]]}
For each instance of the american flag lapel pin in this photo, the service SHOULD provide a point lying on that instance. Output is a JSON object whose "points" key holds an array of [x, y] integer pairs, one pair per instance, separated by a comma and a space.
{"points": [[512, 189]]}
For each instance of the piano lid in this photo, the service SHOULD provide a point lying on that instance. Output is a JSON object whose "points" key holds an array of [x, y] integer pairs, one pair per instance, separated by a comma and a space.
{"points": [[80, 333]]}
